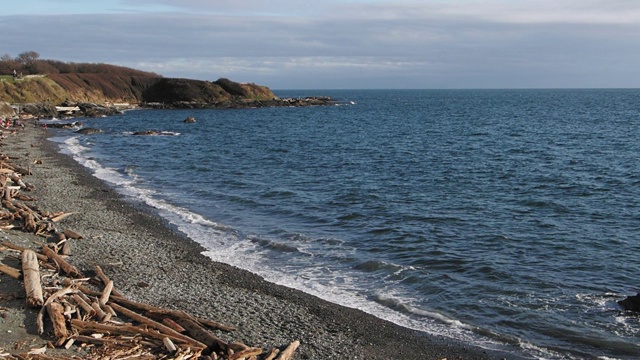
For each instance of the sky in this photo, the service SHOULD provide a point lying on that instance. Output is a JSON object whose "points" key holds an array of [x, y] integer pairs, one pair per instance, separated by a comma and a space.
{"points": [[343, 44]]}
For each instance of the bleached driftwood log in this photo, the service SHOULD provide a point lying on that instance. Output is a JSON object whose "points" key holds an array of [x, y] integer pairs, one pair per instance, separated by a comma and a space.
{"points": [[31, 274]]}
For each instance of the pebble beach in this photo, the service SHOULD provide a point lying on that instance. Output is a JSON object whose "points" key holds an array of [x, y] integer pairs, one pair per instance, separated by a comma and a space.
{"points": [[151, 262]]}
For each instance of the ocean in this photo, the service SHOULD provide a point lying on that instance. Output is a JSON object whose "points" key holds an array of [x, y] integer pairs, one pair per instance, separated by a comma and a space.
{"points": [[503, 218]]}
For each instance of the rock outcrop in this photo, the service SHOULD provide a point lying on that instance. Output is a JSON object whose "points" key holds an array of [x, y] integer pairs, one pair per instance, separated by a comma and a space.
{"points": [[631, 303], [6, 111], [84, 93]]}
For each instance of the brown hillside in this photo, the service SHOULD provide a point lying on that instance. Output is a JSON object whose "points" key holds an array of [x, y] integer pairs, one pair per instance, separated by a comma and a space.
{"points": [[104, 87], [118, 88]]}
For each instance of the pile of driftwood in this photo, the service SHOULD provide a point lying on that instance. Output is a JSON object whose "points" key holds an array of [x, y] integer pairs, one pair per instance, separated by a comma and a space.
{"points": [[88, 312]]}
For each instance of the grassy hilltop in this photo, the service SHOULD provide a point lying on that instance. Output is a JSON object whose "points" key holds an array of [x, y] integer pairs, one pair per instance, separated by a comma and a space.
{"points": [[52, 81]]}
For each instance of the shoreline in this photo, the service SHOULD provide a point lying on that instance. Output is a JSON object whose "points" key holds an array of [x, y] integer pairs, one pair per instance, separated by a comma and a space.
{"points": [[150, 262]]}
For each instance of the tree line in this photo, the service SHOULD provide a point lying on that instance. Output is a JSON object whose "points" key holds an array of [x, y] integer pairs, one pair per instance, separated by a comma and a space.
{"points": [[29, 63]]}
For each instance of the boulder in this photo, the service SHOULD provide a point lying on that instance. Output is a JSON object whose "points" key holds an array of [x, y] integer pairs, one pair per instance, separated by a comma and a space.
{"points": [[94, 110], [147, 132], [631, 303], [39, 109], [71, 125], [155, 132], [6, 111]]}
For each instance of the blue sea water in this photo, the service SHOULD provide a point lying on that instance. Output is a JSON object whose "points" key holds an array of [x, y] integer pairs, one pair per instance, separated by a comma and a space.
{"points": [[506, 218]]}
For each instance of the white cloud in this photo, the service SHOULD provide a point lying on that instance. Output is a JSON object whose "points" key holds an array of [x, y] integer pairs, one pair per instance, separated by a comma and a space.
{"points": [[517, 43]]}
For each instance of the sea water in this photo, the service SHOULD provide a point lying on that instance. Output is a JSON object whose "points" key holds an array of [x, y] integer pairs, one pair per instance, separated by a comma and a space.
{"points": [[505, 218]]}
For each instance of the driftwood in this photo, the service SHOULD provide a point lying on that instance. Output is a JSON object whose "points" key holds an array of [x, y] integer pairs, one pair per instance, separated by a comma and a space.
{"points": [[200, 334], [90, 327], [155, 325], [60, 216], [155, 312], [58, 294], [103, 321], [288, 352], [272, 354], [72, 234], [105, 280], [56, 314], [13, 272], [63, 264], [66, 248], [31, 274], [106, 293], [83, 304], [21, 249], [172, 324], [171, 347], [246, 353]]}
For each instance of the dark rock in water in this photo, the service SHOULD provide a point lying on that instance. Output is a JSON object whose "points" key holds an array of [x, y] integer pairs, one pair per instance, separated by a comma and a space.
{"points": [[190, 120], [65, 125], [147, 132], [153, 132], [89, 131], [631, 303]]}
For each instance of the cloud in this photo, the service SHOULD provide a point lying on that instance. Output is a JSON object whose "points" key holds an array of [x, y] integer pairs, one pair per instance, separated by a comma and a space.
{"points": [[493, 43]]}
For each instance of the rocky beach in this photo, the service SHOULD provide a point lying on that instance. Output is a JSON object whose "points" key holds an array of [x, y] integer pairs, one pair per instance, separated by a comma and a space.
{"points": [[150, 262]]}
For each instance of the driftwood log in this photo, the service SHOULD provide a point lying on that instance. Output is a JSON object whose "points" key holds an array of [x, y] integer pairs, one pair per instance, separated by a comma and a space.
{"points": [[79, 315], [13, 272], [63, 264], [56, 314], [31, 274]]}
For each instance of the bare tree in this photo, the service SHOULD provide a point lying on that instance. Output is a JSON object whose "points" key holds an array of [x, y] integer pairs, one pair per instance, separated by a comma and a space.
{"points": [[28, 59]]}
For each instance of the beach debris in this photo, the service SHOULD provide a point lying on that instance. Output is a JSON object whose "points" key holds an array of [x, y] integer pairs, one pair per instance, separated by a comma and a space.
{"points": [[91, 313], [32, 285], [13, 272]]}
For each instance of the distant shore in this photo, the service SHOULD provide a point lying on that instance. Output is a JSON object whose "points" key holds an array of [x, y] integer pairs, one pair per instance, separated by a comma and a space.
{"points": [[150, 262]]}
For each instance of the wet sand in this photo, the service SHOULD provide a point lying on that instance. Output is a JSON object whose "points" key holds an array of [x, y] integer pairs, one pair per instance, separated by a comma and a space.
{"points": [[150, 262]]}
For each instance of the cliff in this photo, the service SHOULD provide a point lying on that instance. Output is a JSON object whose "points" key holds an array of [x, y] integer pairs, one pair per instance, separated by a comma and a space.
{"points": [[95, 88], [117, 88]]}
